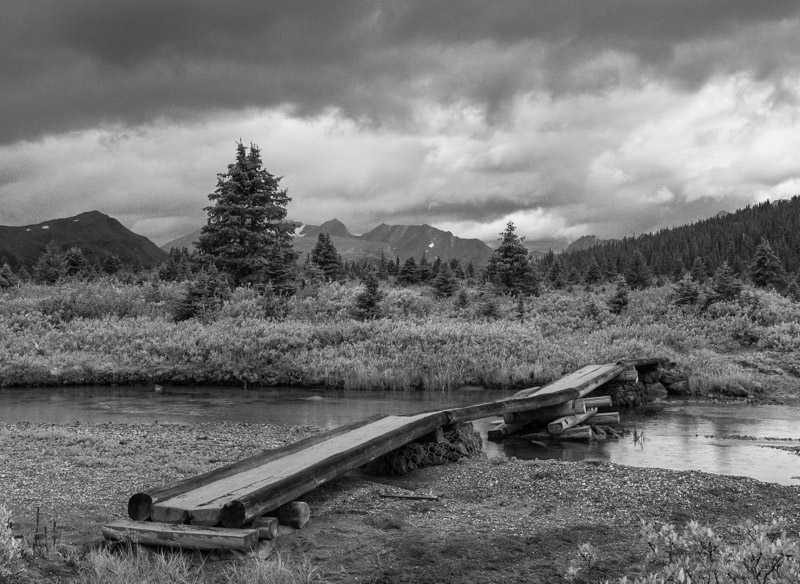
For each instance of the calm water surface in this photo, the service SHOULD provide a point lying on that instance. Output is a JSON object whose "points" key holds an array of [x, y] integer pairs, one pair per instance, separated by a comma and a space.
{"points": [[679, 436]]}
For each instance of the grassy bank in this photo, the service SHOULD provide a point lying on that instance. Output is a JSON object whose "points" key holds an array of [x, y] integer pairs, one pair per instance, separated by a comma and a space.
{"points": [[109, 332]]}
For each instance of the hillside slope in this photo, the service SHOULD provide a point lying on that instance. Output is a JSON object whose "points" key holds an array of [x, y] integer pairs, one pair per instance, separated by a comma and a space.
{"points": [[98, 236]]}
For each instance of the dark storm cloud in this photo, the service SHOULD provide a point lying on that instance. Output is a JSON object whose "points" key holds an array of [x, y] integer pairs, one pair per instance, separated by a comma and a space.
{"points": [[70, 65]]}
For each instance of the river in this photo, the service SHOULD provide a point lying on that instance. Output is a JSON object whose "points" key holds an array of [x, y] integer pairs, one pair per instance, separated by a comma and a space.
{"points": [[731, 439]]}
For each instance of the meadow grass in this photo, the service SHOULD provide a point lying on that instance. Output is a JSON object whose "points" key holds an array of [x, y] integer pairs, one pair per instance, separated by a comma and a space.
{"points": [[109, 332]]}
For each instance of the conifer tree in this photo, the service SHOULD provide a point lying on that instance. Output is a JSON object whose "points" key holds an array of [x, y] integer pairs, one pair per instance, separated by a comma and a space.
{"points": [[203, 296], [112, 264], [445, 283], [7, 277], [462, 300], [367, 302], [638, 275], [75, 262], [766, 269], [326, 258], [247, 234], [686, 291], [619, 300], [725, 285], [51, 265], [594, 274], [699, 270], [458, 271], [409, 273], [425, 269], [509, 269]]}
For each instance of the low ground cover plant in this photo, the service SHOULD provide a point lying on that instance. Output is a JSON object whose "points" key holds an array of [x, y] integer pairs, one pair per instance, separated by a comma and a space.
{"points": [[756, 554]]}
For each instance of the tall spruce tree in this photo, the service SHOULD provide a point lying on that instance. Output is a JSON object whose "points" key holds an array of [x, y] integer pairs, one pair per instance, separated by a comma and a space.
{"points": [[725, 285], [638, 274], [247, 234], [326, 258], [445, 283], [766, 269], [509, 269]]}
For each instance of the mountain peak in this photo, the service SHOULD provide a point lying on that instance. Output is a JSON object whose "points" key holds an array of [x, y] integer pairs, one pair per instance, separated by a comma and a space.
{"points": [[334, 228]]}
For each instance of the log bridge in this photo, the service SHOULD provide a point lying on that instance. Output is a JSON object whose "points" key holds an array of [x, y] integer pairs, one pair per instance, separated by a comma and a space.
{"points": [[208, 510]]}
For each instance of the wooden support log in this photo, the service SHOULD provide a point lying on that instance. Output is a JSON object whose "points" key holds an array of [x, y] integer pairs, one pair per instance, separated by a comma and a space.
{"points": [[558, 426], [630, 374], [295, 514], [606, 418], [510, 405], [601, 401], [182, 536], [503, 430], [575, 433], [140, 505], [436, 436], [570, 408], [599, 433], [267, 527]]}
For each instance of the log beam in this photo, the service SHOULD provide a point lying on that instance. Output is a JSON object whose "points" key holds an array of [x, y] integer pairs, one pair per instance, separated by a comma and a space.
{"points": [[558, 426], [182, 536]]}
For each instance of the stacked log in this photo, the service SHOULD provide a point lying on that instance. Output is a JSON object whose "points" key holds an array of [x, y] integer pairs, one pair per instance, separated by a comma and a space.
{"points": [[577, 419]]}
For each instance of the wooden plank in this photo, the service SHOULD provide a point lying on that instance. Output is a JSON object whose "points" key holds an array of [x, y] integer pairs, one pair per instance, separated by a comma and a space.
{"points": [[558, 426], [270, 495], [182, 536], [140, 504], [307, 468]]}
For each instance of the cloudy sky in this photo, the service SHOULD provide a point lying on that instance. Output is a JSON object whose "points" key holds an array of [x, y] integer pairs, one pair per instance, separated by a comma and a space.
{"points": [[568, 117]]}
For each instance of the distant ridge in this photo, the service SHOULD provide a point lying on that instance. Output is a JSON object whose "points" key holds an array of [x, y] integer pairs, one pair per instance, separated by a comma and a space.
{"points": [[97, 235], [391, 241]]}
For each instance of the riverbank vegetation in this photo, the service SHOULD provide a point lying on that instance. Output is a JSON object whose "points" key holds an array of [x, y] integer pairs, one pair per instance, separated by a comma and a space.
{"points": [[112, 331]]}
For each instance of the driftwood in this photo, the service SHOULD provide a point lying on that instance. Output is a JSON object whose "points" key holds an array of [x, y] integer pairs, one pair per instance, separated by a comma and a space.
{"points": [[183, 536], [412, 497], [575, 433], [562, 424]]}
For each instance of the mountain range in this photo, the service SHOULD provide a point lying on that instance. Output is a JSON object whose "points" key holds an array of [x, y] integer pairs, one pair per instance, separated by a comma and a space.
{"points": [[392, 241], [99, 236]]}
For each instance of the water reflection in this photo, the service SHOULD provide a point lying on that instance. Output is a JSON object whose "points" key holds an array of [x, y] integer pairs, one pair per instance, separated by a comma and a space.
{"points": [[681, 436]]}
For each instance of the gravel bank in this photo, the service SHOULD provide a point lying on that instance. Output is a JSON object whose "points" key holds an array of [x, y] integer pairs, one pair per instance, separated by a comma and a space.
{"points": [[513, 521]]}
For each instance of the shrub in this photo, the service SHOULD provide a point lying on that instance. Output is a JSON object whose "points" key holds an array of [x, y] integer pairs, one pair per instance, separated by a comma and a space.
{"points": [[762, 554]]}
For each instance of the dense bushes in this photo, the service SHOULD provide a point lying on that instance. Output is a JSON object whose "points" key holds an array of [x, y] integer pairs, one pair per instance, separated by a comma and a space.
{"points": [[109, 332]]}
